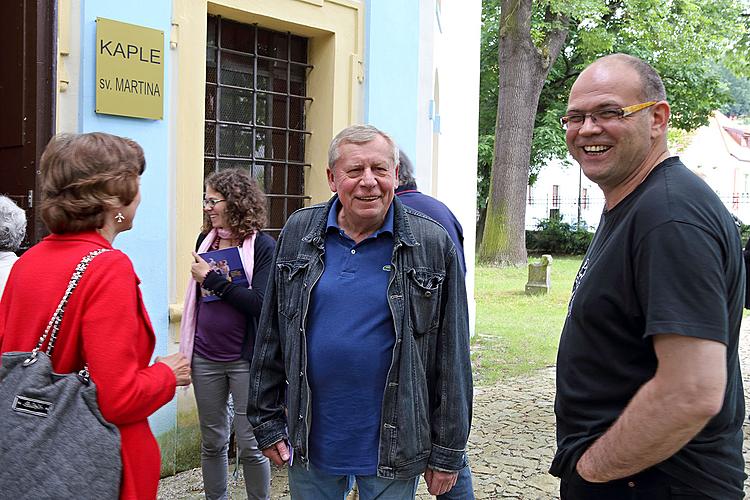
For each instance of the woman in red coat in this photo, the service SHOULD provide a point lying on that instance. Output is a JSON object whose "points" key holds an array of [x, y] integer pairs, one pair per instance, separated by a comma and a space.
{"points": [[90, 192]]}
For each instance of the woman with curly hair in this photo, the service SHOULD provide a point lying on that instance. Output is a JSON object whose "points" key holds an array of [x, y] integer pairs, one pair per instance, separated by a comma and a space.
{"points": [[218, 333]]}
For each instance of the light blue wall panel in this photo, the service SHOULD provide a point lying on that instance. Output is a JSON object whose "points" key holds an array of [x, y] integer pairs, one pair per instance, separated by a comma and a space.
{"points": [[147, 243], [391, 64]]}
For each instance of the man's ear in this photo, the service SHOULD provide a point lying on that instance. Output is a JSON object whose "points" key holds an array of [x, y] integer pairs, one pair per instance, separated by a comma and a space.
{"points": [[660, 119], [331, 182]]}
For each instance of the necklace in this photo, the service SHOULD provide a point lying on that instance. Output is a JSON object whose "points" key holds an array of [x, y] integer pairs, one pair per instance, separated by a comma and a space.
{"points": [[233, 242]]}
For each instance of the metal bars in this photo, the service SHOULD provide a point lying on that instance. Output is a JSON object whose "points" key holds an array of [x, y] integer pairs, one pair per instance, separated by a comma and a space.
{"points": [[255, 110]]}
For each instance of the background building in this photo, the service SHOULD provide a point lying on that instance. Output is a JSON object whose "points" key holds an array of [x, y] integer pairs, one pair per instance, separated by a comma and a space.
{"points": [[561, 190], [719, 153], [258, 84]]}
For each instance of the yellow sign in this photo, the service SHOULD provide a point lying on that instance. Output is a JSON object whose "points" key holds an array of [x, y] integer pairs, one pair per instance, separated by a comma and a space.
{"points": [[129, 70]]}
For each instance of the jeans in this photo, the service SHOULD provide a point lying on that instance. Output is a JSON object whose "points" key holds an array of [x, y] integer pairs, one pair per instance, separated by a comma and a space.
{"points": [[650, 484], [463, 489], [315, 484], [212, 382]]}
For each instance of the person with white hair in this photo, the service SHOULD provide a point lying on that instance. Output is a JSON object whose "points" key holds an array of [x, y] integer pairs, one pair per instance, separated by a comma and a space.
{"points": [[12, 232]]}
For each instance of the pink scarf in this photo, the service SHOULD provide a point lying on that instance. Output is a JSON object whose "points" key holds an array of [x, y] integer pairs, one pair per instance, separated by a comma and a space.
{"points": [[190, 308]]}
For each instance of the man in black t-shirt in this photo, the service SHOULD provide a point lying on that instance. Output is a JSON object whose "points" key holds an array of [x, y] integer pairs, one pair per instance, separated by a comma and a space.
{"points": [[649, 392]]}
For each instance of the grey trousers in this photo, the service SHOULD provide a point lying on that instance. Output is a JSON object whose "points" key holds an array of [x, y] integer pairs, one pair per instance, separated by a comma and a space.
{"points": [[212, 382]]}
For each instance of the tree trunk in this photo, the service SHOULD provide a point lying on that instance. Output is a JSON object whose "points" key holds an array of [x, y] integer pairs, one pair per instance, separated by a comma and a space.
{"points": [[523, 71], [480, 228]]}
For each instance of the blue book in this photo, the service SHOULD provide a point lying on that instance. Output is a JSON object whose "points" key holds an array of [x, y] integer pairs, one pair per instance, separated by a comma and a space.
{"points": [[228, 264]]}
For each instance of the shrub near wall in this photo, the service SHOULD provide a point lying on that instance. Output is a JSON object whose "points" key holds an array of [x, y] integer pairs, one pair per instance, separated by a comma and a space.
{"points": [[744, 233], [556, 237]]}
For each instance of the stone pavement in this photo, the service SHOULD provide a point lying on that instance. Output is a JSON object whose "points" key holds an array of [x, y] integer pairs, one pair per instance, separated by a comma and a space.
{"points": [[511, 444]]}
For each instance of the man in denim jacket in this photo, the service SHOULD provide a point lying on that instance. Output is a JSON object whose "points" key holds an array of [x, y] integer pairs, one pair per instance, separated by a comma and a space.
{"points": [[361, 367]]}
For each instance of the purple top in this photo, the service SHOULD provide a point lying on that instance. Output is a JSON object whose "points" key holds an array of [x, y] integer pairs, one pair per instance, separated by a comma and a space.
{"points": [[220, 331], [220, 324]]}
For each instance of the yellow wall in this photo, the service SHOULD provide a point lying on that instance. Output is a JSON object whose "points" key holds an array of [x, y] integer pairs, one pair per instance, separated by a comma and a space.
{"points": [[335, 29], [68, 66]]}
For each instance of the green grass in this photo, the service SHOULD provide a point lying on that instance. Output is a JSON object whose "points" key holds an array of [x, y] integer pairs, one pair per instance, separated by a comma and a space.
{"points": [[518, 333]]}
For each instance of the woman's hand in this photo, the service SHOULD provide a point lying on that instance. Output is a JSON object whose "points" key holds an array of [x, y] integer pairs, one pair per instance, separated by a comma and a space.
{"points": [[199, 269], [179, 365]]}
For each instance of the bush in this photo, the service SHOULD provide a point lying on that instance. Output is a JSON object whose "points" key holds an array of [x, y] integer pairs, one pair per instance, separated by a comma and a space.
{"points": [[553, 236], [744, 233]]}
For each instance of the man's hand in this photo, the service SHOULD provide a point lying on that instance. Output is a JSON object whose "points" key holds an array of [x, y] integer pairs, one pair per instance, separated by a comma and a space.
{"points": [[439, 483], [199, 269], [666, 412], [278, 453]]}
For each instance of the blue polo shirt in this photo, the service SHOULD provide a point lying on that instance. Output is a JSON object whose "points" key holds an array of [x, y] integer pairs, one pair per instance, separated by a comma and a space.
{"points": [[350, 338]]}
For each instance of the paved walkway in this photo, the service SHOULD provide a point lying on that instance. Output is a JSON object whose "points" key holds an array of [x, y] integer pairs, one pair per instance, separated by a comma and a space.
{"points": [[511, 444]]}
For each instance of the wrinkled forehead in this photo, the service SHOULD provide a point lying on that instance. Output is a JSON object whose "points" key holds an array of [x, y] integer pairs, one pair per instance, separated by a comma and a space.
{"points": [[377, 150], [610, 83]]}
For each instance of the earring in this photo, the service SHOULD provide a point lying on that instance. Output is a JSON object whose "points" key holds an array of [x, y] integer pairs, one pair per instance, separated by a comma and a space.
{"points": [[119, 217]]}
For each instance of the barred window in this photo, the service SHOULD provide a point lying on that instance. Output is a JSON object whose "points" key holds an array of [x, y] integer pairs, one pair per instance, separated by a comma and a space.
{"points": [[255, 110]]}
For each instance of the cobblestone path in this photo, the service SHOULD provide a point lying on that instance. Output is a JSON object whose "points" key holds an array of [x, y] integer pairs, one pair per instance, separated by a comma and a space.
{"points": [[510, 447]]}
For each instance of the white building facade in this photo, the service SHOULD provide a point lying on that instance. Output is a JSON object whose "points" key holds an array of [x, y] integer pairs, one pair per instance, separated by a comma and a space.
{"points": [[561, 190]]}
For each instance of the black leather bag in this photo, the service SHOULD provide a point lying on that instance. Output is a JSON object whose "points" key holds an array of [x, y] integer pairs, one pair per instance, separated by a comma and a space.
{"points": [[54, 442]]}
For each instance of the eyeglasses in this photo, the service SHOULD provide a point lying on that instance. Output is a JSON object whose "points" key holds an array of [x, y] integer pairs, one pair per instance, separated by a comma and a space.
{"points": [[210, 202], [602, 116]]}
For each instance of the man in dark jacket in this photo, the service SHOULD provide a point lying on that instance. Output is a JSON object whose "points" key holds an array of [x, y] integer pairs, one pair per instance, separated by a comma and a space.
{"points": [[361, 369]]}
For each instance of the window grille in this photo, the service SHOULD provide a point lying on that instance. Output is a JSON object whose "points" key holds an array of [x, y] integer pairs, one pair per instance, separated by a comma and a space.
{"points": [[256, 102]]}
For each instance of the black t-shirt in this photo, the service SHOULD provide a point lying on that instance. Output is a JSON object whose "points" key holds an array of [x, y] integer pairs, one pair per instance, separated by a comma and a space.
{"points": [[666, 259]]}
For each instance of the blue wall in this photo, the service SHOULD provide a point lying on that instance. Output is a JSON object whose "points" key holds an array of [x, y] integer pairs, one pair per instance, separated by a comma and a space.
{"points": [[147, 243], [392, 69]]}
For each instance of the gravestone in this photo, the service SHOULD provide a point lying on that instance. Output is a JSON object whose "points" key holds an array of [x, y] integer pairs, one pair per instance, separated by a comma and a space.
{"points": [[539, 281]]}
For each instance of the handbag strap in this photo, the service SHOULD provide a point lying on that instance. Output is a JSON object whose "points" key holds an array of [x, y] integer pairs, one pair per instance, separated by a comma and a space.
{"points": [[53, 327]]}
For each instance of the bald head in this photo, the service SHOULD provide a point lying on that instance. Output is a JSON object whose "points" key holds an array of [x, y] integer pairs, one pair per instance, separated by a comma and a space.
{"points": [[651, 87], [617, 123]]}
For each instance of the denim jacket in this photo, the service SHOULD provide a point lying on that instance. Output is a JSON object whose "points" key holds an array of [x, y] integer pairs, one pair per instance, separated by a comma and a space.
{"points": [[426, 408]]}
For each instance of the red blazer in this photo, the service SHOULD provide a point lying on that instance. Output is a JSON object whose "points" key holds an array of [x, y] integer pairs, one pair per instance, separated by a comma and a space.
{"points": [[106, 325]]}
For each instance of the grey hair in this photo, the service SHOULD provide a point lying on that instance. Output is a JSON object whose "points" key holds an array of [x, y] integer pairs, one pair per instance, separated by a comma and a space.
{"points": [[358, 134], [12, 225], [405, 169], [652, 87]]}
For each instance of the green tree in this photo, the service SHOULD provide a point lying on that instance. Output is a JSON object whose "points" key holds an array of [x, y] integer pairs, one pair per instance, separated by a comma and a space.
{"points": [[739, 90], [543, 46]]}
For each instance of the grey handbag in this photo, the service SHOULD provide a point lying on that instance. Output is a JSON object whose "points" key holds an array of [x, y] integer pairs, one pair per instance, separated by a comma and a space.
{"points": [[54, 442]]}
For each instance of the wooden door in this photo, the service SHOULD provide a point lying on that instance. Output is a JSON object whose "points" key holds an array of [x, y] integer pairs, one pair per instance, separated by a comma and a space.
{"points": [[26, 101]]}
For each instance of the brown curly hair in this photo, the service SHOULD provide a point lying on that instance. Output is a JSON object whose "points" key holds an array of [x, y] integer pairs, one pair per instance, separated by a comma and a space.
{"points": [[84, 175], [246, 203]]}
